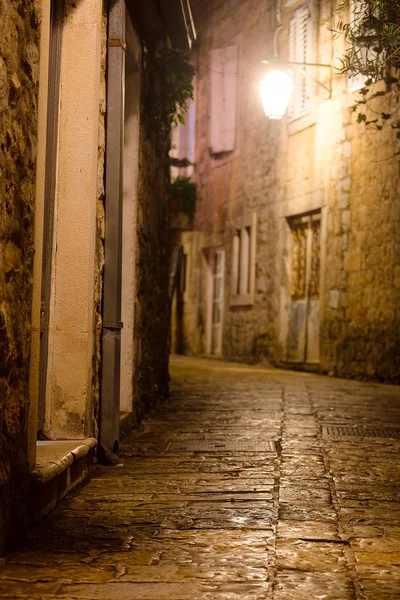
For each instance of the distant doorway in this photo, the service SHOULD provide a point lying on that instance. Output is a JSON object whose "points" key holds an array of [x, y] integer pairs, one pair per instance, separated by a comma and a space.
{"points": [[304, 316], [216, 300]]}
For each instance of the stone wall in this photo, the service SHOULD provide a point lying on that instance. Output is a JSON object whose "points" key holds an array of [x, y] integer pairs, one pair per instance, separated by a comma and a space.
{"points": [[361, 326], [324, 161], [18, 141]]}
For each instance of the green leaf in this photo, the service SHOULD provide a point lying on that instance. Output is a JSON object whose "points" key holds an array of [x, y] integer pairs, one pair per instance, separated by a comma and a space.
{"points": [[361, 118]]}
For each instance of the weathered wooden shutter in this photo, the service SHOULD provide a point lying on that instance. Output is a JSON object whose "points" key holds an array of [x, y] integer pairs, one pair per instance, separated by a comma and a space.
{"points": [[223, 99], [300, 50]]}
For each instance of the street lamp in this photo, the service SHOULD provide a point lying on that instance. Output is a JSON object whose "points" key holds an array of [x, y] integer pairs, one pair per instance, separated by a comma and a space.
{"points": [[277, 86], [276, 90]]}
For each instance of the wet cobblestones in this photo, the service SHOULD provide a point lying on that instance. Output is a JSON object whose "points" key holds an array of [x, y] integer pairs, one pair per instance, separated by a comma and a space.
{"points": [[314, 515]]}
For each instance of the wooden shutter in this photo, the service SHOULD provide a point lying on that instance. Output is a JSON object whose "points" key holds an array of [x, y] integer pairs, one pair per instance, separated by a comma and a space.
{"points": [[300, 50], [223, 99]]}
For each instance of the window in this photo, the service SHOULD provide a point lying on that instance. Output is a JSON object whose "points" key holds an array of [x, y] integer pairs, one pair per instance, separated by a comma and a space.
{"points": [[182, 144], [223, 100], [300, 50], [243, 261]]}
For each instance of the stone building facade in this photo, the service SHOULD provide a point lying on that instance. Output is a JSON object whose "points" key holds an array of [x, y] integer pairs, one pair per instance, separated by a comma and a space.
{"points": [[84, 230], [19, 78], [295, 253]]}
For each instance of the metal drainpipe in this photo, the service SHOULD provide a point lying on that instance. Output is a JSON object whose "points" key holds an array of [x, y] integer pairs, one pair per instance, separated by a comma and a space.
{"points": [[112, 325]]}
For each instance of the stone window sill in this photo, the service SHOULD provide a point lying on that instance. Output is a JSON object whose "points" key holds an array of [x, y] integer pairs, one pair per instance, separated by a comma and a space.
{"points": [[241, 300]]}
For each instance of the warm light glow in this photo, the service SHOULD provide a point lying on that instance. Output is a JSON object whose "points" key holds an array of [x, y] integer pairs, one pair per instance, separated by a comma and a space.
{"points": [[276, 89]]}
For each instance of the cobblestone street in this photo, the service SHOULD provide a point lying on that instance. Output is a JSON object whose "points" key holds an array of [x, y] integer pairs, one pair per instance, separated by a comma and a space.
{"points": [[249, 483]]}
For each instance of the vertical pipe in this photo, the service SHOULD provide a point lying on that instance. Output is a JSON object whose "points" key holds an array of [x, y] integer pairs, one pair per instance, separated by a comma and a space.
{"points": [[112, 325], [53, 101]]}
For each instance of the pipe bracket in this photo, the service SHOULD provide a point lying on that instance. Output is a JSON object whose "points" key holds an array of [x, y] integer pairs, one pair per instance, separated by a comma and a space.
{"points": [[113, 324]]}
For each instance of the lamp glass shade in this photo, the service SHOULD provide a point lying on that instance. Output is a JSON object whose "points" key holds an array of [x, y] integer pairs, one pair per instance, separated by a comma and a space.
{"points": [[276, 90]]}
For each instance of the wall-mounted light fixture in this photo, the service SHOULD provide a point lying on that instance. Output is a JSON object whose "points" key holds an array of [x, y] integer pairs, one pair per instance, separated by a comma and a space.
{"points": [[277, 86], [276, 90]]}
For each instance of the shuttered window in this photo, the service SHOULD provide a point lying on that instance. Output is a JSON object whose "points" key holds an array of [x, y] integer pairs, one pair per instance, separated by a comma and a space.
{"points": [[243, 261], [300, 51], [365, 55], [223, 66]]}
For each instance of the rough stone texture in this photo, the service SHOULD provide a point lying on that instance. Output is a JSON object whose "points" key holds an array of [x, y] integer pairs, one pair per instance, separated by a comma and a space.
{"points": [[18, 142], [324, 161], [317, 517], [151, 306]]}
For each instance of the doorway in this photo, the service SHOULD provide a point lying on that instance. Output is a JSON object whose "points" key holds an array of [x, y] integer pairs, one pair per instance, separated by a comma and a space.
{"points": [[216, 300], [304, 315]]}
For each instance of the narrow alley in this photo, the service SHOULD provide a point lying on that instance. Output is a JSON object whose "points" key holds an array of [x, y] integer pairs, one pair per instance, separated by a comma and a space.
{"points": [[248, 483]]}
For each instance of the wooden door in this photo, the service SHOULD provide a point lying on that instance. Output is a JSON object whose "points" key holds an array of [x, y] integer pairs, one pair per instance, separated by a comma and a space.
{"points": [[304, 317]]}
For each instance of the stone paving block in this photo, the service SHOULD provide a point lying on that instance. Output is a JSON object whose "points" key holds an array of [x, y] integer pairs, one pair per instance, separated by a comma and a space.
{"points": [[380, 544], [385, 571], [308, 530], [162, 591], [294, 481], [25, 589], [362, 531], [310, 556], [378, 558], [300, 496], [309, 586], [370, 492], [370, 516], [192, 572], [64, 573], [289, 512]]}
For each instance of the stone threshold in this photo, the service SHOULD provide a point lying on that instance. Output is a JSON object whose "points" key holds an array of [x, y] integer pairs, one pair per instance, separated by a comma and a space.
{"points": [[60, 466]]}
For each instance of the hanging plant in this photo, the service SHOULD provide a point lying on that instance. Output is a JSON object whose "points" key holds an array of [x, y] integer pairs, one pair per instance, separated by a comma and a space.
{"points": [[172, 76], [183, 195]]}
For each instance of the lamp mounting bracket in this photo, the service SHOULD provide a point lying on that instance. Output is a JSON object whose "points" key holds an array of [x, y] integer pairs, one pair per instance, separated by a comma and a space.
{"points": [[302, 66]]}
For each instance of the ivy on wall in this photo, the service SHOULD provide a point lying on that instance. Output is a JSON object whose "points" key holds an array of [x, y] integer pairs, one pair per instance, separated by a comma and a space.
{"points": [[172, 86]]}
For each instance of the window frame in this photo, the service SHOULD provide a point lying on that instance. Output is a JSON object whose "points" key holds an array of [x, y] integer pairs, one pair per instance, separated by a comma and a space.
{"points": [[243, 269]]}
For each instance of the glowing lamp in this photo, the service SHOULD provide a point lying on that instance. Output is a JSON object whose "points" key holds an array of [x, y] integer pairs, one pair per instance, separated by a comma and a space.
{"points": [[275, 90]]}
